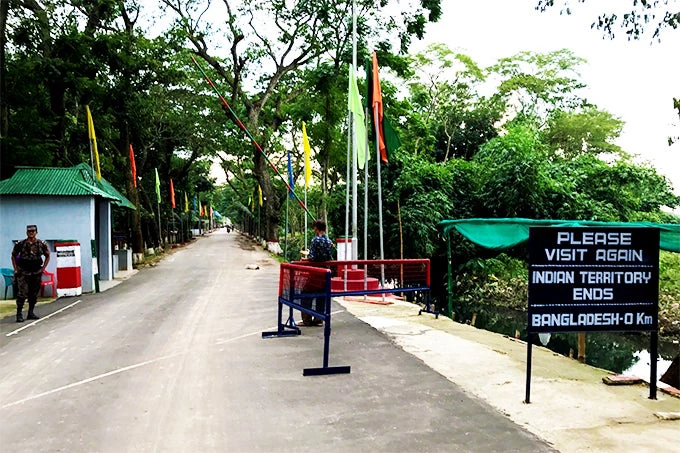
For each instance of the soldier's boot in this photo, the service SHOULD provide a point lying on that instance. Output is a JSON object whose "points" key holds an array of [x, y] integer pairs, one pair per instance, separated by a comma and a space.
{"points": [[306, 319], [20, 306], [31, 315]]}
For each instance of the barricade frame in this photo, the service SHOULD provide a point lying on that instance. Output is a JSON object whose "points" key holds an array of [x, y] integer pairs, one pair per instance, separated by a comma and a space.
{"points": [[358, 264], [291, 290]]}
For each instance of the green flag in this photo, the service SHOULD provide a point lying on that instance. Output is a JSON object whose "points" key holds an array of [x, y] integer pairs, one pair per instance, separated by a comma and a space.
{"points": [[158, 186], [355, 106], [392, 142]]}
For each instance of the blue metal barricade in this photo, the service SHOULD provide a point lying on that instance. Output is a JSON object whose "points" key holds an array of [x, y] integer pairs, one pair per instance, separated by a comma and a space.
{"points": [[307, 289]]}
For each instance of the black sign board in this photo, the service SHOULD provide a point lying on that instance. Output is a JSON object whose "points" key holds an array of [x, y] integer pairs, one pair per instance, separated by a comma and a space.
{"points": [[593, 279]]}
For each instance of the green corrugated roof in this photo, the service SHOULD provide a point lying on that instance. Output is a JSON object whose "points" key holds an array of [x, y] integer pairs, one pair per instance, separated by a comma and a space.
{"points": [[69, 181]]}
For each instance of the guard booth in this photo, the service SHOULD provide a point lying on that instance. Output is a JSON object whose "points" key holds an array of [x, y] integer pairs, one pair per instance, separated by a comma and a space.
{"points": [[69, 275]]}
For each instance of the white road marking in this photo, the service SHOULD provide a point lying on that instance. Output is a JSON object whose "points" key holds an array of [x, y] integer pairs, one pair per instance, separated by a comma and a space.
{"points": [[94, 378], [241, 336], [123, 369], [14, 332]]}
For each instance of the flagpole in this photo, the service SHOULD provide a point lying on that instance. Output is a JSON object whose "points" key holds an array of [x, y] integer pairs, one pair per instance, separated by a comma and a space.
{"points": [[366, 205], [355, 245], [349, 148], [380, 219], [305, 218], [257, 233], [285, 245], [160, 231], [94, 178]]}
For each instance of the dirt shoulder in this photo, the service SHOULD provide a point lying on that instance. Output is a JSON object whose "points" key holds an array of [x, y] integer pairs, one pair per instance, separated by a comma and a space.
{"points": [[570, 405]]}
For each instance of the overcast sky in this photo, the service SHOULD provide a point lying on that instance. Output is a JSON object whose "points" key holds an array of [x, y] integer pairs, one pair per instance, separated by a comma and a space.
{"points": [[635, 81]]}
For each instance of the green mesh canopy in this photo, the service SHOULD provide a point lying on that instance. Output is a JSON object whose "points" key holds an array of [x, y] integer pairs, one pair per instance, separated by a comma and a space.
{"points": [[504, 233]]}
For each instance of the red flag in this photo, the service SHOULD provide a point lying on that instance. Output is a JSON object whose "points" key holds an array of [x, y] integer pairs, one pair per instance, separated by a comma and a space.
{"points": [[133, 166], [172, 194], [377, 101]]}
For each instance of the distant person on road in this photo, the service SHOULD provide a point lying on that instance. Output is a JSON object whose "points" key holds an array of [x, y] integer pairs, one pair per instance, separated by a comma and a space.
{"points": [[319, 251], [28, 268]]}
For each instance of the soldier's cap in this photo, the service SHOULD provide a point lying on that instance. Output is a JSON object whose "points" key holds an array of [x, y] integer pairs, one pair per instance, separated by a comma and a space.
{"points": [[32, 226]]}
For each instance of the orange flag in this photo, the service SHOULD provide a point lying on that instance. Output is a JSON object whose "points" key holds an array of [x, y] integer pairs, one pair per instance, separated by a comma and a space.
{"points": [[377, 101]]}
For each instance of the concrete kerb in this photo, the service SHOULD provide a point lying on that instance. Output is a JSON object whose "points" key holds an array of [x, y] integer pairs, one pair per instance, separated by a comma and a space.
{"points": [[571, 407]]}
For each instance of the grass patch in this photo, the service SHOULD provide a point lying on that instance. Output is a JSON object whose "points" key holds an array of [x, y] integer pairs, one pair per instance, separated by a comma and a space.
{"points": [[9, 307]]}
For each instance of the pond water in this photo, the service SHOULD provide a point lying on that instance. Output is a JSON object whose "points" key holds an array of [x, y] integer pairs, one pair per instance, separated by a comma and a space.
{"points": [[622, 353]]}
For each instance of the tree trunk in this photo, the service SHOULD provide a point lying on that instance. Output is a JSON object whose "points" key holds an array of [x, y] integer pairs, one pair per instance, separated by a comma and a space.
{"points": [[272, 203], [135, 219], [4, 112], [132, 193], [58, 109]]}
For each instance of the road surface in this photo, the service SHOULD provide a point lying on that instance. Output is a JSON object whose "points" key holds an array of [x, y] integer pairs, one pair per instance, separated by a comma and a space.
{"points": [[172, 360]]}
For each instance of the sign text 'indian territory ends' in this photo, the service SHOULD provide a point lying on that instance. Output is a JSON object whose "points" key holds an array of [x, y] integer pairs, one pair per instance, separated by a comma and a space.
{"points": [[570, 238]]}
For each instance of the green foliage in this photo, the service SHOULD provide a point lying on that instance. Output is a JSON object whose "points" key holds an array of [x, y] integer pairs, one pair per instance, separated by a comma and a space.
{"points": [[669, 293], [536, 84], [514, 178], [448, 117], [421, 207], [588, 188], [669, 272], [499, 281], [590, 130]]}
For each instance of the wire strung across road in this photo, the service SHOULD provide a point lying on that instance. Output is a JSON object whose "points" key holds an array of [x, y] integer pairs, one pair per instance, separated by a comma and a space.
{"points": [[242, 126]]}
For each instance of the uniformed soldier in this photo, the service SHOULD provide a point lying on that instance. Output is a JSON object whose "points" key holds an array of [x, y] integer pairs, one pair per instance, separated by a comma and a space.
{"points": [[28, 268], [320, 251]]}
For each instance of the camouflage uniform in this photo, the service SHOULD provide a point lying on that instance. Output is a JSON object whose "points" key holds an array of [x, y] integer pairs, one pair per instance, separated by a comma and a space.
{"points": [[28, 257]]}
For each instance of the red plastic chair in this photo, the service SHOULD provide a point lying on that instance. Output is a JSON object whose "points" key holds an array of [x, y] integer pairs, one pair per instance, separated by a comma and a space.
{"points": [[49, 282]]}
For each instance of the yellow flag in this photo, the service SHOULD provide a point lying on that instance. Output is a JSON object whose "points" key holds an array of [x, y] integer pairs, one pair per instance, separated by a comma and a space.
{"points": [[93, 142], [186, 203], [305, 146], [259, 193]]}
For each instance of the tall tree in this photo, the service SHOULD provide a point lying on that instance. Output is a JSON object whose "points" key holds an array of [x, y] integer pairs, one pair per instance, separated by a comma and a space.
{"points": [[260, 57], [586, 131], [536, 84], [4, 10], [449, 117]]}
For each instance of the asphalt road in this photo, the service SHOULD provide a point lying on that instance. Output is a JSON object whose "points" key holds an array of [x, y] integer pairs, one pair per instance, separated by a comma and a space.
{"points": [[172, 360]]}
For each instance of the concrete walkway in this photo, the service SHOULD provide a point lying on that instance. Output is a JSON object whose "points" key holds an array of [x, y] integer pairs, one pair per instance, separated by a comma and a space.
{"points": [[120, 277], [570, 406]]}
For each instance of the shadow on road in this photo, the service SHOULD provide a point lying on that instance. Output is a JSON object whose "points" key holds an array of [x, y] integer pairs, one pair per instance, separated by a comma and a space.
{"points": [[245, 243]]}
